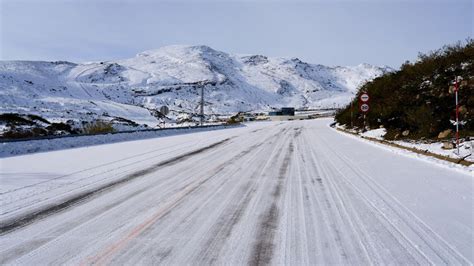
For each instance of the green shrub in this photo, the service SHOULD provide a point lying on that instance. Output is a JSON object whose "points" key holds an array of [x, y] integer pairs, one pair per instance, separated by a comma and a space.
{"points": [[418, 97]]}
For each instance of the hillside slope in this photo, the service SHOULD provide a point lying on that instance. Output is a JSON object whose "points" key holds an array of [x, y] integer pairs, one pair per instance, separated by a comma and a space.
{"points": [[419, 99], [174, 75]]}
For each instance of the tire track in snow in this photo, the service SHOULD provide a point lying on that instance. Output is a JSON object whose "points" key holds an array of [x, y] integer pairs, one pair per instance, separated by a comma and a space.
{"points": [[353, 216], [97, 213], [238, 251], [388, 226], [227, 220], [326, 246], [264, 247], [107, 255], [323, 209], [33, 196], [444, 251], [296, 236], [327, 165], [357, 246], [18, 222], [336, 233], [180, 147], [70, 226]]}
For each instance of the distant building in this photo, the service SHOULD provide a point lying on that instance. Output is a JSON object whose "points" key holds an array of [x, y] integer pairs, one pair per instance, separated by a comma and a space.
{"points": [[285, 113], [288, 111], [275, 113]]}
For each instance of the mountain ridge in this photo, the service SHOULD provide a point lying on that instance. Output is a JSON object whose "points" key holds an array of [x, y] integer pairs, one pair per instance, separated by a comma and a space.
{"points": [[173, 75]]}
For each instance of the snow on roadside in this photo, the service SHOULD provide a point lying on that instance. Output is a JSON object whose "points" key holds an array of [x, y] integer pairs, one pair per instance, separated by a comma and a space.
{"points": [[465, 149], [375, 133], [428, 159], [8, 149]]}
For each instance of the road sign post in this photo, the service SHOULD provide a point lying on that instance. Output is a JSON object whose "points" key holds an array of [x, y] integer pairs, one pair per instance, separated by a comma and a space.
{"points": [[456, 89], [352, 114], [202, 106], [364, 106]]}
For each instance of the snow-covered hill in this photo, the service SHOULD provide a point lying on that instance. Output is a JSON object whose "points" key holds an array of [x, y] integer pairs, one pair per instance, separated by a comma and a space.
{"points": [[173, 76]]}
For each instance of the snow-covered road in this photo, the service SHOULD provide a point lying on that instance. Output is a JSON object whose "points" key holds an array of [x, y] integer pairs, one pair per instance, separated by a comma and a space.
{"points": [[281, 193]]}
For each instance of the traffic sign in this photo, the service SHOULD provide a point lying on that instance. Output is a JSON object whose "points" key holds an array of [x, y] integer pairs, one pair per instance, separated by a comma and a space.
{"points": [[364, 97], [364, 102], [164, 110], [364, 108]]}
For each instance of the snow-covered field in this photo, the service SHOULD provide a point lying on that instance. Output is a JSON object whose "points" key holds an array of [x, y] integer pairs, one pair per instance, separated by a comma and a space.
{"points": [[293, 192], [173, 76]]}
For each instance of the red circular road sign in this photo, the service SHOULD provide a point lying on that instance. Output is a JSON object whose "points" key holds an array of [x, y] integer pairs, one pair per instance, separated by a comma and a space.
{"points": [[364, 108], [364, 97]]}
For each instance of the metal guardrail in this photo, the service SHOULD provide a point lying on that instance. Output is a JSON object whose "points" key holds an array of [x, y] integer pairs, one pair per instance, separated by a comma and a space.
{"points": [[113, 133]]}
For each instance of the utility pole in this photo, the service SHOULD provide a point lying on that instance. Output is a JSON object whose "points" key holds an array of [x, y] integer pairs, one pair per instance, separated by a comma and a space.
{"points": [[365, 124], [202, 105], [352, 114], [456, 89]]}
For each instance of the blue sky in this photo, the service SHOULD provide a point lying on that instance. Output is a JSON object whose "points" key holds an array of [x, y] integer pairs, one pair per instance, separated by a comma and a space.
{"points": [[327, 32]]}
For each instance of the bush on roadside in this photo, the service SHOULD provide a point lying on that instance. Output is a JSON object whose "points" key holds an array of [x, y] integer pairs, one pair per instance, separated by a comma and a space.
{"points": [[233, 120], [13, 119], [98, 127], [20, 133], [419, 98]]}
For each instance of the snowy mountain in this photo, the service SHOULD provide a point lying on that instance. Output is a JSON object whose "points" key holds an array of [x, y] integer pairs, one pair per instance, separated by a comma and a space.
{"points": [[174, 75]]}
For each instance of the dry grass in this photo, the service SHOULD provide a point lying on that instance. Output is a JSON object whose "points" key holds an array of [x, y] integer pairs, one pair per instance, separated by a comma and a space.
{"points": [[98, 127]]}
